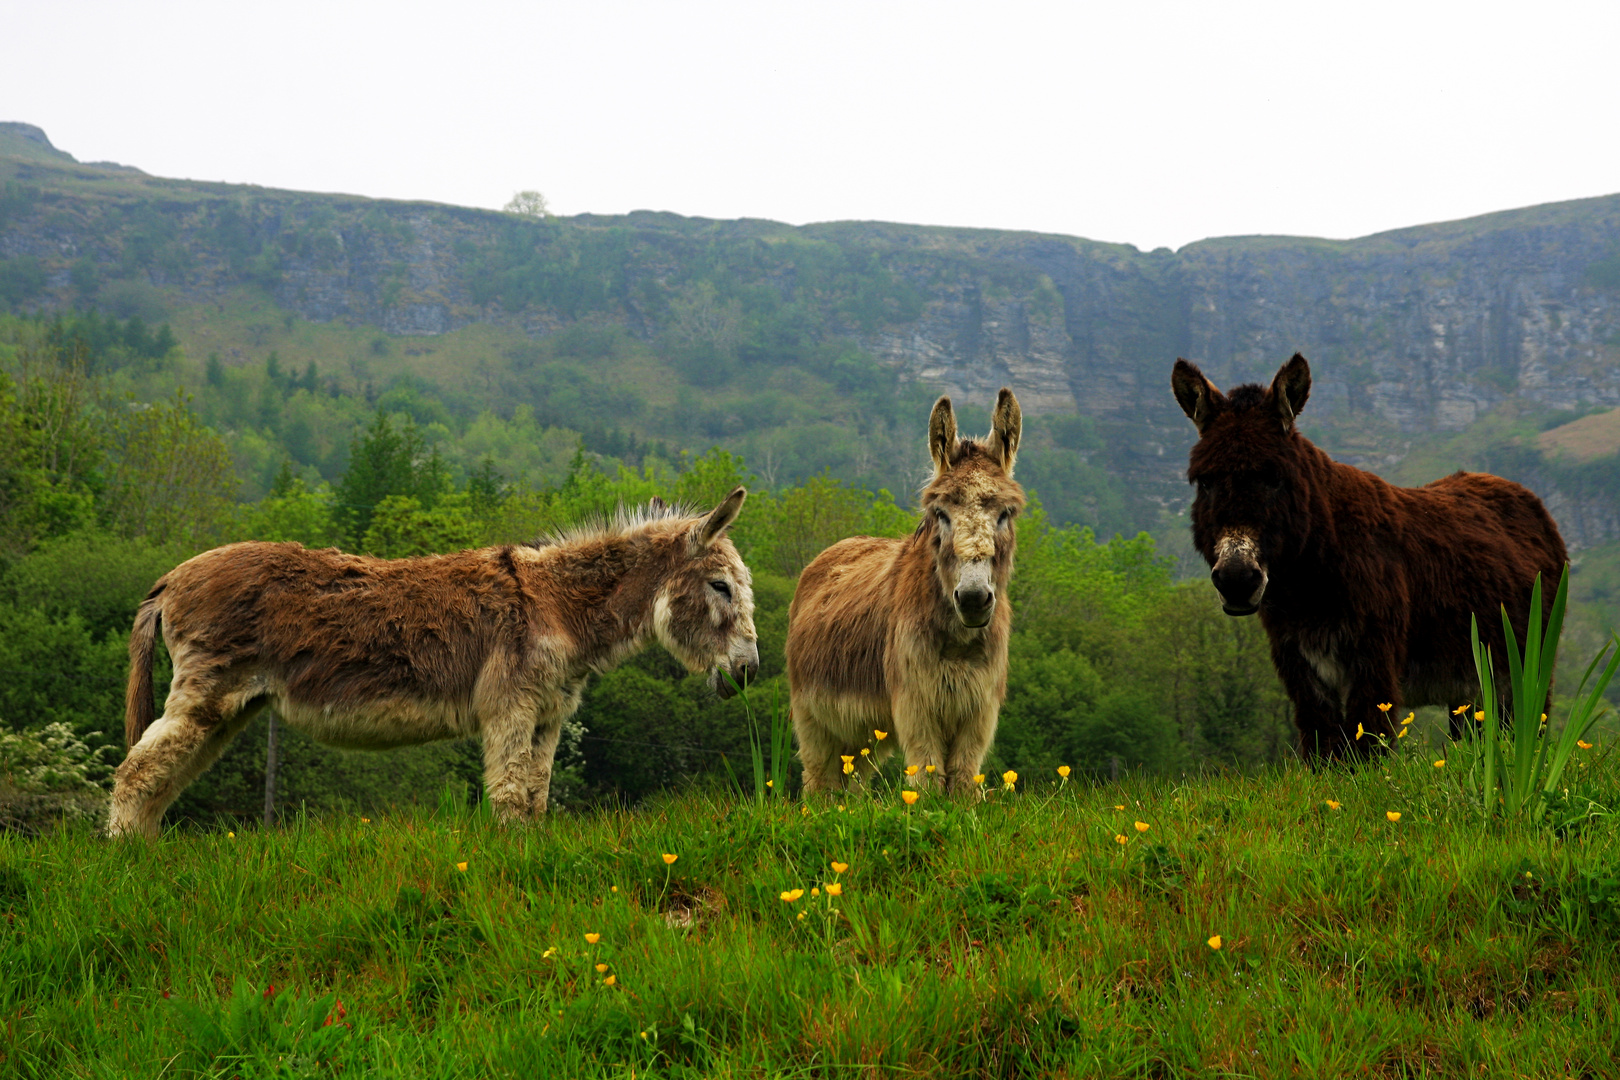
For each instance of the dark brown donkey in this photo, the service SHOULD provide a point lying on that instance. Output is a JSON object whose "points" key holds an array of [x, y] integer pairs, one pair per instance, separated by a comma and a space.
{"points": [[1365, 589], [910, 636], [371, 653]]}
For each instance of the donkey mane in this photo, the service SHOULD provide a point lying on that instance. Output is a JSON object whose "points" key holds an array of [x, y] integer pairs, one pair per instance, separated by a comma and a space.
{"points": [[622, 522]]}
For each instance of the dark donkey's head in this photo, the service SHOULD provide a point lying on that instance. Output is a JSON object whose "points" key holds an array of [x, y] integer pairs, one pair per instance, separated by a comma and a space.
{"points": [[969, 507], [704, 613], [1250, 504]]}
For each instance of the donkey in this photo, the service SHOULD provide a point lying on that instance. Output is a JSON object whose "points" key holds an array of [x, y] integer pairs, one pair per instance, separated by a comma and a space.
{"points": [[372, 653], [1365, 589], [912, 634]]}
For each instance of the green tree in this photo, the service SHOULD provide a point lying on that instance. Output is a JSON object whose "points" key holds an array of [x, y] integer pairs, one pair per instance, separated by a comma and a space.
{"points": [[383, 461], [528, 204], [170, 479], [401, 527]]}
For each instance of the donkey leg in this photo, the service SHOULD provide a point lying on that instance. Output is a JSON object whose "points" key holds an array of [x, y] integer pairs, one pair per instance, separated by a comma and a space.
{"points": [[917, 724], [964, 758], [819, 750], [174, 751], [542, 756], [509, 764]]}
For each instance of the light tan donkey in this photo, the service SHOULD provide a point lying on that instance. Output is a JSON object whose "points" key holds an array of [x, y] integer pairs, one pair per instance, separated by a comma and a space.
{"points": [[372, 653], [910, 635]]}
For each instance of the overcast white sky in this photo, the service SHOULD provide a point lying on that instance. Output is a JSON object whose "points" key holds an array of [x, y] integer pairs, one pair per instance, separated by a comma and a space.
{"points": [[1153, 123]]}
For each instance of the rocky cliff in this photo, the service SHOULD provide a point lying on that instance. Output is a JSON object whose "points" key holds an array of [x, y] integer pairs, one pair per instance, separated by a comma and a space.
{"points": [[1410, 333]]}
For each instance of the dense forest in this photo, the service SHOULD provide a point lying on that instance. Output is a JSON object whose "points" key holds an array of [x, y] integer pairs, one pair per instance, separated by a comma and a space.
{"points": [[1115, 665]]}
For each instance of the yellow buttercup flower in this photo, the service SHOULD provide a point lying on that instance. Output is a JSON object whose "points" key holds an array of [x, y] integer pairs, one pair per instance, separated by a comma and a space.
{"points": [[1121, 838], [592, 939], [365, 821], [1402, 733], [849, 767], [866, 751], [1142, 826], [610, 980], [928, 768], [792, 894], [815, 892], [1119, 808], [1393, 815], [1440, 764], [801, 916], [669, 859], [1409, 718], [1583, 744], [1215, 943], [909, 797], [230, 836], [1386, 706], [978, 778], [1009, 778], [1360, 731], [834, 889], [1331, 805], [881, 735], [840, 867], [462, 867], [1063, 771], [1459, 710], [911, 770], [846, 758], [601, 969], [1480, 716]]}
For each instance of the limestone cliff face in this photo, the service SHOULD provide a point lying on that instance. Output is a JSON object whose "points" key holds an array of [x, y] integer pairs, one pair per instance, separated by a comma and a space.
{"points": [[1409, 333]]}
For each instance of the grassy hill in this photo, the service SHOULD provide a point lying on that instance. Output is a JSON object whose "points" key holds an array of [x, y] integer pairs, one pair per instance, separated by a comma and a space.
{"points": [[1285, 924]]}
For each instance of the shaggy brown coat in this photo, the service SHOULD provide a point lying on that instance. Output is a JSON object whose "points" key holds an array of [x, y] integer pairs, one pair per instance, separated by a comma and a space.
{"points": [[1365, 589], [373, 653], [910, 636]]}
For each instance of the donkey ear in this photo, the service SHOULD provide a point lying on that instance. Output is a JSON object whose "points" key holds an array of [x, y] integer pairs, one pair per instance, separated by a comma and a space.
{"points": [[942, 435], [1006, 428], [712, 527], [1198, 397], [1290, 389]]}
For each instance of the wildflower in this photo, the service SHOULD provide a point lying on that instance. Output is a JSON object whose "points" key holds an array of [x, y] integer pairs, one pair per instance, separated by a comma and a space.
{"points": [[911, 770], [1119, 808], [1331, 805], [1063, 771], [610, 980], [770, 783], [1459, 710], [846, 758], [792, 894], [909, 796], [1409, 718], [849, 767], [978, 778], [815, 892], [601, 969], [230, 836], [365, 821], [801, 916], [928, 768], [865, 751], [1360, 731], [1009, 778], [834, 889], [1480, 716], [1386, 706], [1402, 733], [1393, 815], [1142, 826], [839, 867], [881, 735], [1440, 764], [669, 859], [462, 867], [1583, 744], [1120, 838], [1215, 943], [614, 888], [549, 953], [592, 939]]}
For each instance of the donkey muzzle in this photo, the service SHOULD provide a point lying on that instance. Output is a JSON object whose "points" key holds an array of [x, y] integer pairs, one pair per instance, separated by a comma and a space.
{"points": [[1238, 575], [974, 595], [742, 671]]}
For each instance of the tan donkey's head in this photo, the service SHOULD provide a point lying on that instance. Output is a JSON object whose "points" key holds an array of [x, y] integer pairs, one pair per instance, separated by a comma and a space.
{"points": [[704, 613], [970, 505]]}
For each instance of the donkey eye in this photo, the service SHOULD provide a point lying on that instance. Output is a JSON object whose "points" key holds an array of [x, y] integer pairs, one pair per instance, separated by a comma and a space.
{"points": [[722, 588], [943, 518], [1006, 516]]}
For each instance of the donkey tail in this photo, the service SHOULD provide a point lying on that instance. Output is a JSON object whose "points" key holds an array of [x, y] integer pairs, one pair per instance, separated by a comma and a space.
{"points": [[142, 647]]}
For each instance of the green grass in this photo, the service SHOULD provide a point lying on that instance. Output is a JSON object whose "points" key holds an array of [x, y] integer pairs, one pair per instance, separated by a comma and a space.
{"points": [[1006, 938]]}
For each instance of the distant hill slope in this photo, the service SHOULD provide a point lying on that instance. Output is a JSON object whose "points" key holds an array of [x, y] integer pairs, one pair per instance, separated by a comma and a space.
{"points": [[812, 347]]}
